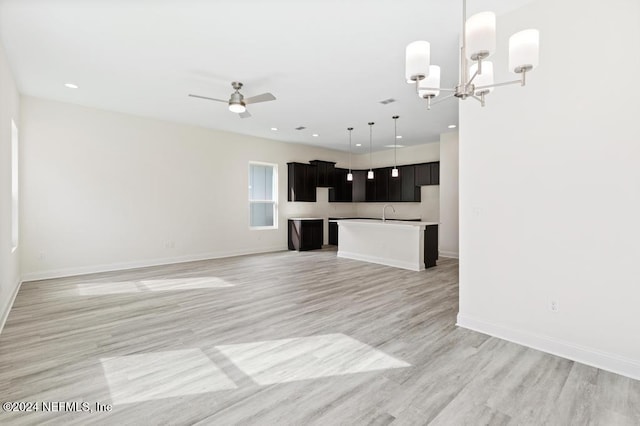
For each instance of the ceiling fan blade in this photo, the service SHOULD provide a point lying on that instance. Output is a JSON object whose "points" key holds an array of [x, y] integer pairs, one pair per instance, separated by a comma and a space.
{"points": [[208, 98], [260, 98], [245, 114]]}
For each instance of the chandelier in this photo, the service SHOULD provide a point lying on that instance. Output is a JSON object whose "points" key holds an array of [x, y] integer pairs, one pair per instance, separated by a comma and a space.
{"points": [[476, 73]]}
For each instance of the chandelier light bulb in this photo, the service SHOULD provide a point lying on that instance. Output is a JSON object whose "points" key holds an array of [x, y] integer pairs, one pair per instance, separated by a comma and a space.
{"points": [[418, 58], [433, 81], [524, 49], [349, 177], [370, 174], [480, 35], [484, 79], [394, 172]]}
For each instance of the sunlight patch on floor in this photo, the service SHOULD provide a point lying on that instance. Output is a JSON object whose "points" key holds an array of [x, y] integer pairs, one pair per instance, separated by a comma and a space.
{"points": [[174, 284], [156, 375], [301, 358]]}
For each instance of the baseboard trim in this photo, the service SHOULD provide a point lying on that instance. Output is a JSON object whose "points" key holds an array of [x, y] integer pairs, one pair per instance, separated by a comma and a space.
{"points": [[451, 254], [121, 266], [585, 355], [7, 308]]}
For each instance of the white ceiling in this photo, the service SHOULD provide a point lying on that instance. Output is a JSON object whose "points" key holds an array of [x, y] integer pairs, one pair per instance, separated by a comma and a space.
{"points": [[328, 62]]}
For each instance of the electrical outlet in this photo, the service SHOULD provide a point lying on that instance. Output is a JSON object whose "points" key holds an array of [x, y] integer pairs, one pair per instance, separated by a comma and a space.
{"points": [[170, 244], [553, 306], [42, 257]]}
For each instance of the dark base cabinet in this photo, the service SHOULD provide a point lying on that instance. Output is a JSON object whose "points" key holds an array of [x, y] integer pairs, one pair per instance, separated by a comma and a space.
{"points": [[333, 233], [305, 234], [430, 245]]}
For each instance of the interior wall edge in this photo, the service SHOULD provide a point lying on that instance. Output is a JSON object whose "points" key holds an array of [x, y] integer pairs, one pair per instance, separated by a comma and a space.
{"points": [[7, 309], [569, 350]]}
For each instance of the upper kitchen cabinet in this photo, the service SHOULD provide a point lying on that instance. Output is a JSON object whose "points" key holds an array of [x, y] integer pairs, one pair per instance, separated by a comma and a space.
{"points": [[381, 182], [395, 185], [435, 173], [342, 191], [410, 192], [427, 174], [326, 173], [301, 184], [359, 186]]}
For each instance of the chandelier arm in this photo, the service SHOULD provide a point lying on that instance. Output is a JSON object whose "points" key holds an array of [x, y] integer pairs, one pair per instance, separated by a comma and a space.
{"points": [[473, 77], [506, 83], [476, 98], [442, 99], [438, 88]]}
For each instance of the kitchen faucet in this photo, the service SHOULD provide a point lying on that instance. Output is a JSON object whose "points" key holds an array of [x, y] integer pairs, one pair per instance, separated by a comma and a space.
{"points": [[385, 208]]}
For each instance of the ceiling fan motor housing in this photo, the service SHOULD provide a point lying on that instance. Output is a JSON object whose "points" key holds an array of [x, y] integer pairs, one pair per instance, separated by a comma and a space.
{"points": [[236, 98]]}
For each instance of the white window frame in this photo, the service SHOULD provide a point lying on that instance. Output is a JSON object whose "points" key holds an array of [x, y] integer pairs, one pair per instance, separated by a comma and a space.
{"points": [[15, 223], [274, 192]]}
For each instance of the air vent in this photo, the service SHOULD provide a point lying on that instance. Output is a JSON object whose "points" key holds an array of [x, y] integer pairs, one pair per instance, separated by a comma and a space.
{"points": [[387, 101], [300, 128]]}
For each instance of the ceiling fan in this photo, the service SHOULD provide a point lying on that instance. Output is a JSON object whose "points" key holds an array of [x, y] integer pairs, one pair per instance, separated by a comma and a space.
{"points": [[237, 102]]}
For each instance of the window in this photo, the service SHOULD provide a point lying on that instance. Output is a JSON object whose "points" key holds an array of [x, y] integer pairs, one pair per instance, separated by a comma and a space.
{"points": [[263, 195], [14, 186]]}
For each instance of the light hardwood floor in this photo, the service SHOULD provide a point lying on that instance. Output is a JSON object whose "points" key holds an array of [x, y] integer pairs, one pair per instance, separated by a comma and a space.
{"points": [[284, 338]]}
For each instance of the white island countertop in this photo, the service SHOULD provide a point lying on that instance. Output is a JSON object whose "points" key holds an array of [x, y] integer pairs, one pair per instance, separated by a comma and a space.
{"points": [[305, 218], [388, 222]]}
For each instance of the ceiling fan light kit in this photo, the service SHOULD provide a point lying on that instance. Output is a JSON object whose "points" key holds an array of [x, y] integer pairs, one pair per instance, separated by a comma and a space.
{"points": [[476, 74]]}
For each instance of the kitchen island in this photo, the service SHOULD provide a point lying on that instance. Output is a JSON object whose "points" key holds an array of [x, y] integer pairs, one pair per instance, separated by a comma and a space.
{"points": [[402, 244]]}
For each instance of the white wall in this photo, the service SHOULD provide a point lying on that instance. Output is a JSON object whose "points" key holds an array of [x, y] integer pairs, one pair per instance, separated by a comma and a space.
{"points": [[449, 194], [550, 189], [108, 191], [9, 258]]}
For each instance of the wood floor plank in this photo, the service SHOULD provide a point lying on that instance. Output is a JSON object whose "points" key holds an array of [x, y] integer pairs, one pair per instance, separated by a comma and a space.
{"points": [[343, 342]]}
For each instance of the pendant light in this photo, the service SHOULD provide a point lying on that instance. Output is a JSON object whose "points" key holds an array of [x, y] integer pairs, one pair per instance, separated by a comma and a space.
{"points": [[370, 172], [350, 174], [394, 171]]}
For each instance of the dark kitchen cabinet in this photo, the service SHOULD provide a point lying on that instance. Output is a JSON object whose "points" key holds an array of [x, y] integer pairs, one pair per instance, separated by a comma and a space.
{"points": [[305, 234], [381, 180], [359, 186], [325, 176], [342, 191], [430, 245], [423, 174], [427, 173], [435, 173], [333, 233], [395, 185], [410, 192], [370, 189], [302, 182]]}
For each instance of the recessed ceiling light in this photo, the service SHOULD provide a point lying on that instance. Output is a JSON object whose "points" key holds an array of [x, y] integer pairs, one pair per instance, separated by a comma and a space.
{"points": [[394, 146], [452, 126], [399, 137], [274, 129], [315, 135], [358, 144], [71, 85]]}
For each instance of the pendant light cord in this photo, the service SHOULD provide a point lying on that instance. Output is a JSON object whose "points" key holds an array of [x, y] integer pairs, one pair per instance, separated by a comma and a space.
{"points": [[350, 129], [395, 141], [370, 145]]}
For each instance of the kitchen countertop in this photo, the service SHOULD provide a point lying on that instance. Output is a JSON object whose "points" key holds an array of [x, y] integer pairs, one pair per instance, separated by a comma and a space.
{"points": [[306, 218], [335, 219], [389, 222]]}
